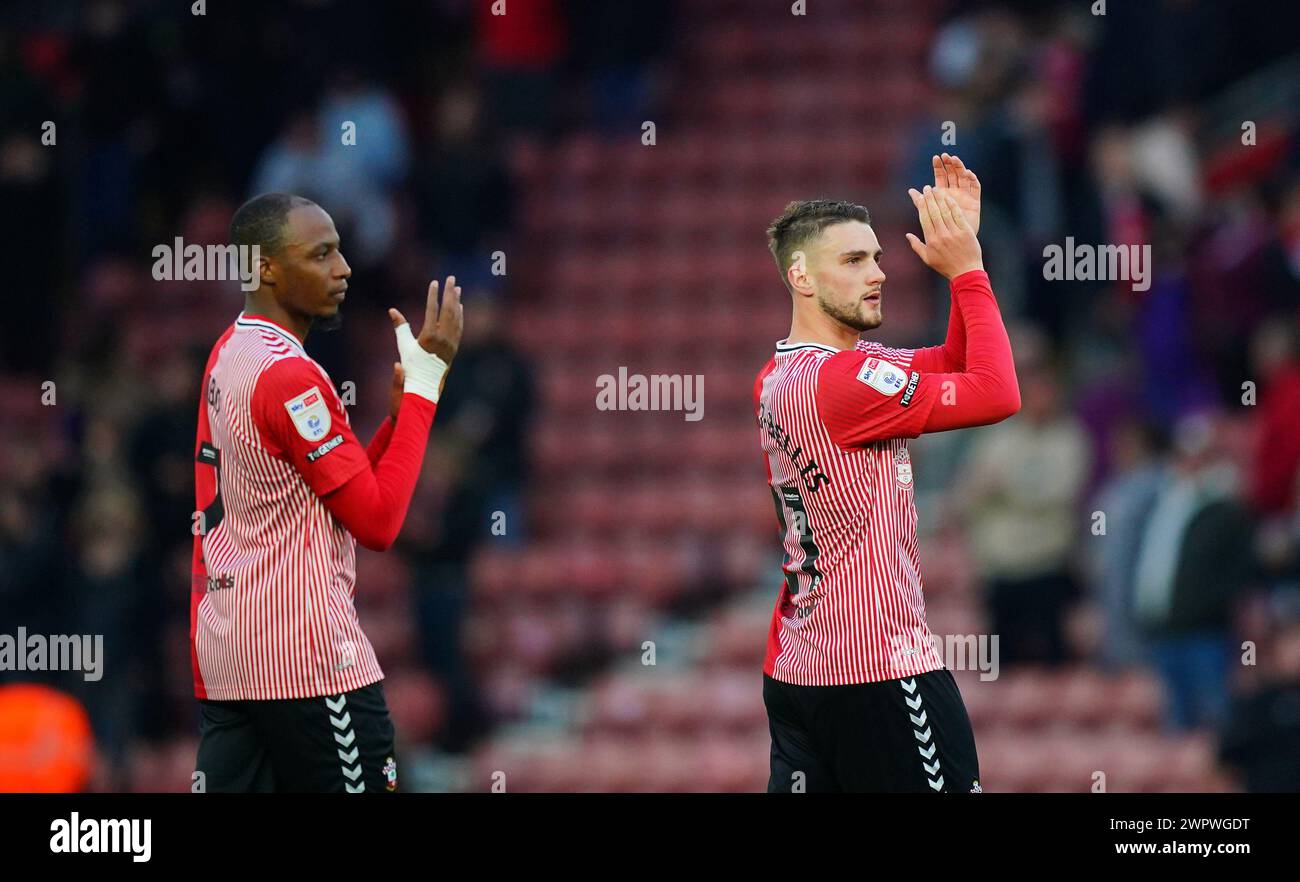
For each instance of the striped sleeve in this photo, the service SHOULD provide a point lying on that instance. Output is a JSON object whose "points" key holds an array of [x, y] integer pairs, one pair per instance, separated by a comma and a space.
{"points": [[864, 397], [301, 420]]}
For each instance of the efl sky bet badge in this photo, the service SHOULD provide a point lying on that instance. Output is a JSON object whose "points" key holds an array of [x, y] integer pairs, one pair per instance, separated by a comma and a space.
{"points": [[882, 376], [390, 773], [310, 415], [903, 467]]}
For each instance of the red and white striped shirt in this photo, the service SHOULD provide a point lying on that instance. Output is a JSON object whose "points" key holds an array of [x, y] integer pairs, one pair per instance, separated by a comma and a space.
{"points": [[834, 426], [271, 613]]}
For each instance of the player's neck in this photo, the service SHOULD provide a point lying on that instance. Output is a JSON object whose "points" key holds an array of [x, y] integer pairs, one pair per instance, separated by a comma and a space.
{"points": [[822, 329], [276, 313]]}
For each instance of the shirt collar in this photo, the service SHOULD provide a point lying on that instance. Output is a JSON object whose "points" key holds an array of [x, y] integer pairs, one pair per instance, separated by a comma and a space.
{"points": [[260, 321], [783, 347]]}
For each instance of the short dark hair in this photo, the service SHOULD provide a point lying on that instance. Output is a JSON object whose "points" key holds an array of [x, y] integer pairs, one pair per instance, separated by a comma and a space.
{"points": [[261, 220], [803, 221]]}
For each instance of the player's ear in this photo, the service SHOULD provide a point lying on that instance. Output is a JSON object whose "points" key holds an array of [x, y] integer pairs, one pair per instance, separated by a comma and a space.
{"points": [[797, 274], [267, 270]]}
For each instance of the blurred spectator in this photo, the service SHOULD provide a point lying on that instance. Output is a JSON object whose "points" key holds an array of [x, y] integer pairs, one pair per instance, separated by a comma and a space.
{"points": [[464, 194], [1261, 732], [520, 53], [381, 150], [290, 162], [1240, 276], [1176, 377], [1141, 64], [311, 159], [1126, 500], [107, 586], [119, 92], [1275, 456], [469, 496], [618, 44], [160, 451], [491, 404], [30, 555], [1021, 494], [1192, 564]]}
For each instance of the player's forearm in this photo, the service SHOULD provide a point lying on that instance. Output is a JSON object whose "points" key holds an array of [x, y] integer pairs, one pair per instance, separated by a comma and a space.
{"points": [[372, 505], [954, 346], [987, 390], [951, 355], [378, 444], [398, 470]]}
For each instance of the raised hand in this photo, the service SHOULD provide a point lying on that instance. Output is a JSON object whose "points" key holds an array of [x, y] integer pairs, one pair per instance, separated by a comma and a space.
{"points": [[424, 360], [952, 176], [950, 246], [442, 325]]}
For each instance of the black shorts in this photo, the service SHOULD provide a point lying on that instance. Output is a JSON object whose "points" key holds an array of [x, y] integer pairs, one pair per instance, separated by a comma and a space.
{"points": [[329, 744], [895, 736]]}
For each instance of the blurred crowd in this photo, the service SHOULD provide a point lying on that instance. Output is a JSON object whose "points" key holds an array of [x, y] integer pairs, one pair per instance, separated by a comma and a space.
{"points": [[1140, 511], [399, 118], [1142, 508]]}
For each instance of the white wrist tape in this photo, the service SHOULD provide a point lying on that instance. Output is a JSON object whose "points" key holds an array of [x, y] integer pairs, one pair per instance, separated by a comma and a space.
{"points": [[423, 370]]}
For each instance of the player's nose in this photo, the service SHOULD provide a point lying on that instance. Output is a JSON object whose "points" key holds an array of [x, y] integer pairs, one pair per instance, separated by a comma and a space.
{"points": [[344, 271]]}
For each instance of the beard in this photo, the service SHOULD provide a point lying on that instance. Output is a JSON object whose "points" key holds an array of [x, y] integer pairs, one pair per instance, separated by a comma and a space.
{"points": [[328, 322], [846, 314]]}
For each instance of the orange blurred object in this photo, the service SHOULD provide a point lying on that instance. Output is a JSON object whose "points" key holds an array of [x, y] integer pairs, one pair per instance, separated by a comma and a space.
{"points": [[46, 743]]}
